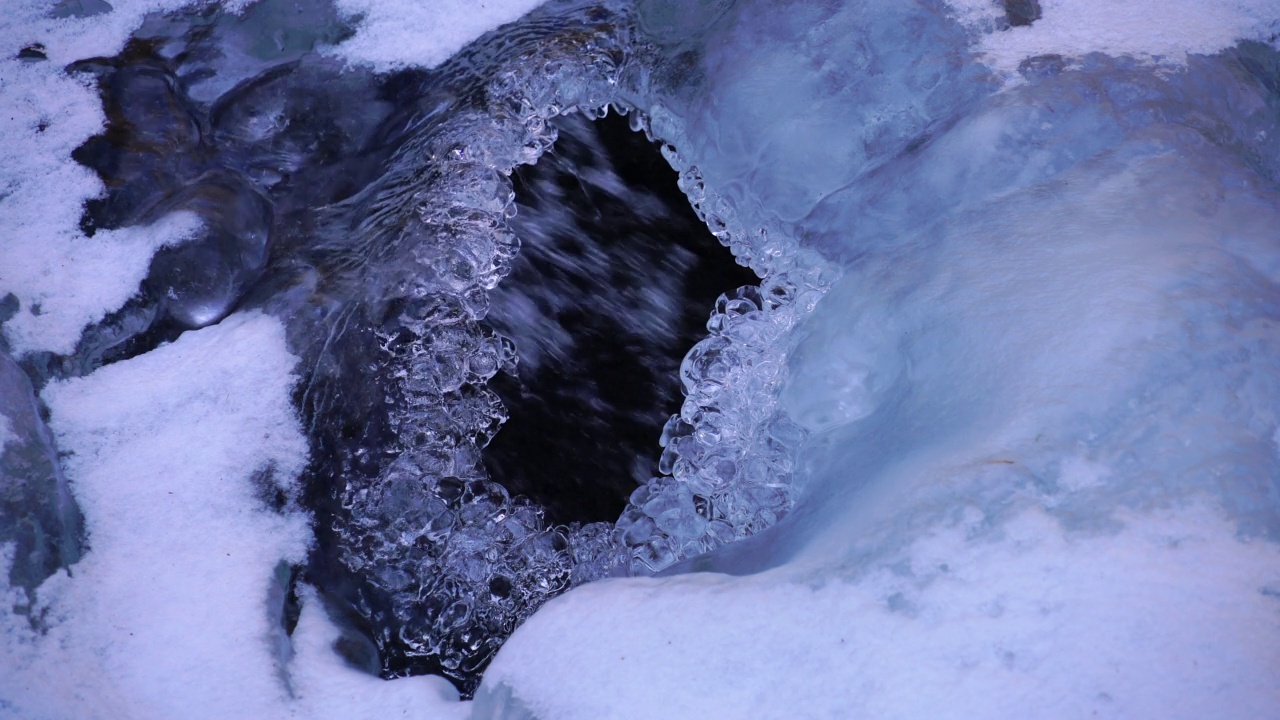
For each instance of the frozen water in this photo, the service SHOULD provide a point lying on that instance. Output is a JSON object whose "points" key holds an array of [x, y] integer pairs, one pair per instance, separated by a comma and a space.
{"points": [[1052, 354], [39, 520], [995, 430]]}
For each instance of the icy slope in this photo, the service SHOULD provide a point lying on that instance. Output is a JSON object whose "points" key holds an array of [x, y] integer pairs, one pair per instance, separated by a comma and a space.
{"points": [[1042, 478]]}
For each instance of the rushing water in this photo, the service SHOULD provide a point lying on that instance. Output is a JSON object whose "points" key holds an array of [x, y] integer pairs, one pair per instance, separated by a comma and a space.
{"points": [[456, 252]]}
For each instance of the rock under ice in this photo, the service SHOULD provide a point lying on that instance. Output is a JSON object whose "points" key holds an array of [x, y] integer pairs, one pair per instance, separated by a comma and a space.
{"points": [[996, 434]]}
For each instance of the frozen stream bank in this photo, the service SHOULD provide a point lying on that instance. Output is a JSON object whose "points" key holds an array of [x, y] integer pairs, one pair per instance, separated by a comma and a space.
{"points": [[995, 434]]}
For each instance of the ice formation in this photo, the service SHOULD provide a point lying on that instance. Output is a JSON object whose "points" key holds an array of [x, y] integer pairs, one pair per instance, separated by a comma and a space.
{"points": [[1038, 397], [996, 429]]}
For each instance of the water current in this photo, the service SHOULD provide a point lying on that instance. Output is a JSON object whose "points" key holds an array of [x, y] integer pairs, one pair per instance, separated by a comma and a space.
{"points": [[490, 272]]}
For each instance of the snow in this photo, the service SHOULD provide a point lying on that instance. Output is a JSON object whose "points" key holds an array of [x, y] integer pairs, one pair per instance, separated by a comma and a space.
{"points": [[71, 281], [63, 280], [421, 33], [160, 453], [175, 457], [1164, 30], [1164, 618], [1044, 457]]}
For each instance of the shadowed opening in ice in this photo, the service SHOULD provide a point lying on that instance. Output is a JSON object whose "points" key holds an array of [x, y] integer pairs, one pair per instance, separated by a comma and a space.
{"points": [[612, 285]]}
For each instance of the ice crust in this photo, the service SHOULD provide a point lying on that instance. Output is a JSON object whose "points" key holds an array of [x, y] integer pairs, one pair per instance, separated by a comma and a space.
{"points": [[996, 431], [1052, 352]]}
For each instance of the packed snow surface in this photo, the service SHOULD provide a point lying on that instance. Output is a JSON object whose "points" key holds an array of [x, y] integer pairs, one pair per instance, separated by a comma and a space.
{"points": [[1160, 30], [1167, 617], [421, 33]]}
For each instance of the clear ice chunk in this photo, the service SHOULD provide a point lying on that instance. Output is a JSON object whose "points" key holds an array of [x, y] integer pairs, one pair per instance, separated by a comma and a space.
{"points": [[39, 520]]}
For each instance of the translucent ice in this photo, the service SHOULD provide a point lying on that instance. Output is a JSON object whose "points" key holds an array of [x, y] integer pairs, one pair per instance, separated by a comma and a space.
{"points": [[995, 430], [39, 519], [1039, 399]]}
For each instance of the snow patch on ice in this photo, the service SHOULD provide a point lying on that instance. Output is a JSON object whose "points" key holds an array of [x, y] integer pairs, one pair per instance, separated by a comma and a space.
{"points": [[62, 279], [169, 455], [65, 281], [1164, 619], [1164, 30], [393, 35], [178, 458]]}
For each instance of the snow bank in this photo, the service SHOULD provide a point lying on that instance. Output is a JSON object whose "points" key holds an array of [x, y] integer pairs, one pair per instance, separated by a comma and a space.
{"points": [[1170, 617], [1165, 30], [422, 33]]}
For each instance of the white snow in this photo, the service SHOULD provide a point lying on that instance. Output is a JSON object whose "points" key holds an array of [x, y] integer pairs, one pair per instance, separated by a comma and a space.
{"points": [[167, 614], [160, 452], [63, 280], [1165, 30], [1164, 619], [393, 34], [70, 281]]}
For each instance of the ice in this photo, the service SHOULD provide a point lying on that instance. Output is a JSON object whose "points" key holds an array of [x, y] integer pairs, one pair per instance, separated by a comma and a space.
{"points": [[61, 280], [996, 430], [1035, 408], [39, 520]]}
